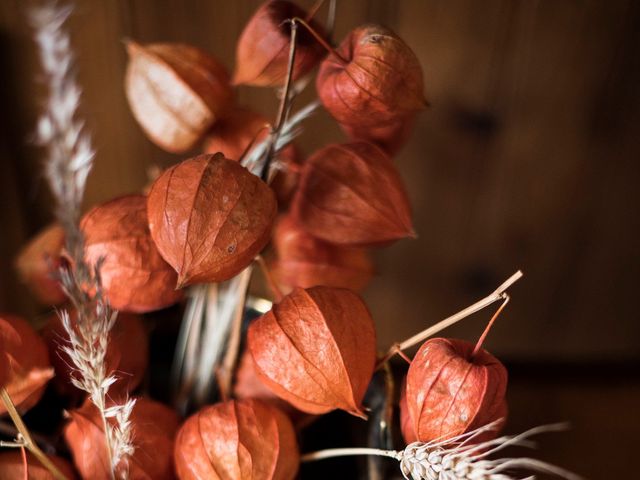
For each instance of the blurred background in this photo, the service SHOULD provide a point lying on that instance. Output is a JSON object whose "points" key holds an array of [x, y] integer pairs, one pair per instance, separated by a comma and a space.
{"points": [[527, 158]]}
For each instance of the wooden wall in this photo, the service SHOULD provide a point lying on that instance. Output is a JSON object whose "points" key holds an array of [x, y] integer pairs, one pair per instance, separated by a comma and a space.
{"points": [[528, 157]]}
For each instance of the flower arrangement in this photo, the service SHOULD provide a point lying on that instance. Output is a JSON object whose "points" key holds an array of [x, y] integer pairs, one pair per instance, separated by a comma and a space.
{"points": [[244, 388]]}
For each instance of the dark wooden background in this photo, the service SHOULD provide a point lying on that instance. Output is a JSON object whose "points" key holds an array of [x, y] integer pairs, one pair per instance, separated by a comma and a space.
{"points": [[528, 158]]}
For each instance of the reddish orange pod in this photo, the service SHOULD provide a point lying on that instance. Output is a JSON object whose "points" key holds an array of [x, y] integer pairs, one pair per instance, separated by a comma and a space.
{"points": [[262, 54], [176, 92], [27, 361], [210, 217], [12, 467], [301, 260], [38, 262], [352, 194], [127, 354], [134, 275], [374, 80], [450, 392], [154, 427], [237, 440], [391, 138], [326, 339]]}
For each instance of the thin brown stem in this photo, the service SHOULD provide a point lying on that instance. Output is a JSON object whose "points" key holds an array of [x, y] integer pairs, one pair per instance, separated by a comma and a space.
{"points": [[489, 325], [273, 285], [25, 464], [447, 322], [327, 46], [331, 19], [266, 126], [29, 444], [314, 9]]}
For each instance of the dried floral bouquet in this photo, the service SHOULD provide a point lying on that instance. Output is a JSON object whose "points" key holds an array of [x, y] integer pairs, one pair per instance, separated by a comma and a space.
{"points": [[244, 390]]}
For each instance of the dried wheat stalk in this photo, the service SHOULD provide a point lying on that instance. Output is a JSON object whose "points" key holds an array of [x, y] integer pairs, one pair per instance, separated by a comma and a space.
{"points": [[69, 161]]}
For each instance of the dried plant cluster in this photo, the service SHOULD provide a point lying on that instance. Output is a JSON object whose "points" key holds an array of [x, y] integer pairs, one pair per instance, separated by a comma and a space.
{"points": [[248, 196]]}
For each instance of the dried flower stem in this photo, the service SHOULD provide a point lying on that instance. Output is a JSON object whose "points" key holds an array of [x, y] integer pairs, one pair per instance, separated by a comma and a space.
{"points": [[273, 285], [327, 46], [499, 293], [489, 325], [70, 159], [25, 440], [458, 458]]}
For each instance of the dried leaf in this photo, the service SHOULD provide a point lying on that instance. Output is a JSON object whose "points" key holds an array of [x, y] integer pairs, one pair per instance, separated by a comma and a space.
{"points": [[449, 393], [28, 362], [154, 426], [12, 467], [301, 260], [210, 217], [262, 54], [380, 83], [237, 440], [391, 138], [316, 349], [176, 92], [352, 194], [127, 354], [134, 275], [38, 262]]}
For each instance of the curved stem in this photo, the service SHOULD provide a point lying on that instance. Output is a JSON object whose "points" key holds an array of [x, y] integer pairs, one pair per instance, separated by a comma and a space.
{"points": [[489, 325], [314, 9], [349, 452], [447, 322], [273, 285], [29, 444], [320, 39]]}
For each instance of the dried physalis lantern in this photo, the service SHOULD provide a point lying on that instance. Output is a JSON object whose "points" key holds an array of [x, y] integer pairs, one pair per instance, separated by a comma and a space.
{"points": [[38, 262], [451, 391], [210, 217], [316, 349], [374, 79], [127, 354], [262, 54], [12, 467], [154, 429], [237, 440], [391, 137], [176, 92], [352, 194], [28, 360], [134, 275], [301, 260]]}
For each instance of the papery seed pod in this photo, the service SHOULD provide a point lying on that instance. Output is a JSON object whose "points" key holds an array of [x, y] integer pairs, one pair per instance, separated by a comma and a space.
{"points": [[316, 349], [12, 467], [242, 129], [391, 138], [154, 428], [210, 217], [127, 354], [301, 260], [262, 54], [352, 194], [380, 82], [449, 392], [237, 440], [28, 361], [176, 92], [134, 275], [38, 262]]}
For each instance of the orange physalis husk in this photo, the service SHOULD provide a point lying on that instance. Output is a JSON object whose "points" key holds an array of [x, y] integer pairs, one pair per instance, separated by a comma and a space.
{"points": [[12, 467], [352, 194], [391, 138], [237, 440], [134, 275], [176, 92], [38, 262], [209, 217], [154, 428], [127, 354], [449, 393], [316, 349], [301, 260], [380, 82], [262, 54], [28, 362]]}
